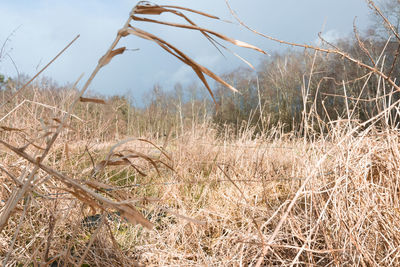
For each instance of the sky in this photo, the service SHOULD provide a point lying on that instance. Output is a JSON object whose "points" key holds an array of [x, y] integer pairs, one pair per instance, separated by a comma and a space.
{"points": [[39, 29]]}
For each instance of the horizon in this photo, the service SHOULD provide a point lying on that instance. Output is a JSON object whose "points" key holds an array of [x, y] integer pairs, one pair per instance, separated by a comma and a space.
{"points": [[36, 40]]}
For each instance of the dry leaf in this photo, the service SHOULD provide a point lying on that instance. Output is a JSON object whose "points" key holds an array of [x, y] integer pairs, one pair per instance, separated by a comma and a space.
{"points": [[147, 8], [134, 217], [107, 58], [198, 69], [92, 100], [194, 27], [152, 9]]}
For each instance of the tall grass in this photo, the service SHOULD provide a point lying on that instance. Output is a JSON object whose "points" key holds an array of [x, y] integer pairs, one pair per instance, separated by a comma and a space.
{"points": [[231, 190], [201, 195]]}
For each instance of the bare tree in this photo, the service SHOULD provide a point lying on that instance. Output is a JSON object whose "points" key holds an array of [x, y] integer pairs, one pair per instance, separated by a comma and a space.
{"points": [[390, 9]]}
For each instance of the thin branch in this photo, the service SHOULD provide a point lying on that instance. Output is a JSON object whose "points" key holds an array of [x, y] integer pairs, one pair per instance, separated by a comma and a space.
{"points": [[385, 19]]}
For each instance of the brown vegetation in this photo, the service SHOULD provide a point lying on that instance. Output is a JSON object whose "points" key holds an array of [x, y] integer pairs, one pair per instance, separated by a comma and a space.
{"points": [[301, 169]]}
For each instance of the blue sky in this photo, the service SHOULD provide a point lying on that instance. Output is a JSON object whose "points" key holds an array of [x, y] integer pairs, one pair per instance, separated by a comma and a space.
{"points": [[43, 27]]}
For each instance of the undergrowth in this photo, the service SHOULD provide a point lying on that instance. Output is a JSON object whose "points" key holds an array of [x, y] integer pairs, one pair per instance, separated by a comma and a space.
{"points": [[201, 194]]}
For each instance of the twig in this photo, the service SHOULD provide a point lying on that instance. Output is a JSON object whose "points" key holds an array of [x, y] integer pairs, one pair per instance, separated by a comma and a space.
{"points": [[387, 22]]}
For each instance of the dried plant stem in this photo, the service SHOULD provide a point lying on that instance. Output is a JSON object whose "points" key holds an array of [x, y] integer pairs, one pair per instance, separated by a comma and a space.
{"points": [[102, 202], [21, 220], [105, 57], [18, 195], [92, 239], [37, 74], [40, 104]]}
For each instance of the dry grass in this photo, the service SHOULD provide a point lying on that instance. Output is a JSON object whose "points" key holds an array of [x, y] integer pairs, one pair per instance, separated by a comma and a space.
{"points": [[223, 199], [200, 197]]}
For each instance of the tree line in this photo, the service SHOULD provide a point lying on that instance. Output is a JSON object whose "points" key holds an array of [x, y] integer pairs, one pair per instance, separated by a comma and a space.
{"points": [[283, 90]]}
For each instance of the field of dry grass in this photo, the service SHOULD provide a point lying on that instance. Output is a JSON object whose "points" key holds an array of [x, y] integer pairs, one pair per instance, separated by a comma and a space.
{"points": [[213, 199], [76, 191]]}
